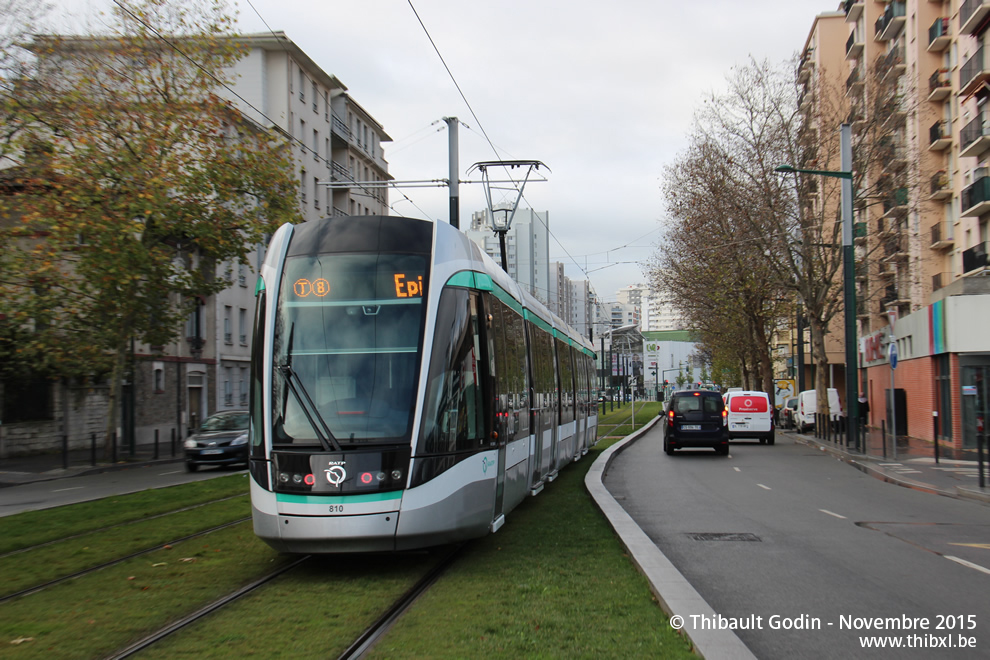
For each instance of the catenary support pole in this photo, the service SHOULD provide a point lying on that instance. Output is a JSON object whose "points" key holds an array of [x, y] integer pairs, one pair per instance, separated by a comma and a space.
{"points": [[455, 208], [849, 285]]}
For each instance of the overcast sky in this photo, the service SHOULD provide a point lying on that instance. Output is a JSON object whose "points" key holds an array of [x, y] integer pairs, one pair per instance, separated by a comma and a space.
{"points": [[601, 92]]}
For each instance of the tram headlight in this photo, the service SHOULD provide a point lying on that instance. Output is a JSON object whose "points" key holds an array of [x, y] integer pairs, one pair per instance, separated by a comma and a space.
{"points": [[240, 440]]}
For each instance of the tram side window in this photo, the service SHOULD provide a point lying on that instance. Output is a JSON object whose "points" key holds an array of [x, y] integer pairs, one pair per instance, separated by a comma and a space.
{"points": [[453, 419], [544, 383], [510, 347], [256, 395], [566, 382]]}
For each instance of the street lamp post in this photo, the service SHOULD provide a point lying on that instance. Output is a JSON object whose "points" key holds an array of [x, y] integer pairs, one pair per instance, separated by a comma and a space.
{"points": [[848, 276]]}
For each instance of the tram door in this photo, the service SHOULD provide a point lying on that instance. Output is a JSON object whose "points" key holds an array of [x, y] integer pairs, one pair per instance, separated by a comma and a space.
{"points": [[975, 404], [543, 404]]}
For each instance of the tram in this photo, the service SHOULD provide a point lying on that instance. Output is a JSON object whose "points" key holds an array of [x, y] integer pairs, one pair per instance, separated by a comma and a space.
{"points": [[405, 392]]}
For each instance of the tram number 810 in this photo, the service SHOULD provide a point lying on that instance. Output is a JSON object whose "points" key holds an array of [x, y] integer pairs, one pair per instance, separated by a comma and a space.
{"points": [[336, 508]]}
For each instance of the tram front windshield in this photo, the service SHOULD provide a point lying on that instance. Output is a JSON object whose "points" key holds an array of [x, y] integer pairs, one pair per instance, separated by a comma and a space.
{"points": [[348, 334]]}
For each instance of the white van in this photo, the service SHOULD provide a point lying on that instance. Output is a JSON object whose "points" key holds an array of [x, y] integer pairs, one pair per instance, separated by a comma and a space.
{"points": [[750, 415], [804, 417]]}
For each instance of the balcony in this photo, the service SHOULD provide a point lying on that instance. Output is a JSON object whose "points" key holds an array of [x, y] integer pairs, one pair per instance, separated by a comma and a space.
{"points": [[942, 236], [806, 66], [895, 203], [974, 139], [939, 37], [971, 16], [859, 233], [893, 64], [973, 73], [941, 280], [895, 249], [854, 46], [939, 136], [976, 198], [854, 9], [893, 155], [891, 23], [939, 85], [975, 258], [940, 188], [854, 83]]}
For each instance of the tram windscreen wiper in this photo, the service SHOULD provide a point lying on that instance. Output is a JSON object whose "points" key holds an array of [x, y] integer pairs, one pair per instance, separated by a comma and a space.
{"points": [[295, 384]]}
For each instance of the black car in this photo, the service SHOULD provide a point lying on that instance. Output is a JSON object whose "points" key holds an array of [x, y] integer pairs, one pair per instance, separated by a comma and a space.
{"points": [[696, 418], [222, 439]]}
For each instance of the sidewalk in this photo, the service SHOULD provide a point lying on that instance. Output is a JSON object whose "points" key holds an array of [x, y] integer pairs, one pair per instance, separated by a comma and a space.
{"points": [[45, 467], [955, 474]]}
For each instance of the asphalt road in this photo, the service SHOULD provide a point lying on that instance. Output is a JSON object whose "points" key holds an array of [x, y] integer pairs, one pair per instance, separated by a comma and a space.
{"points": [[47, 494], [784, 535]]}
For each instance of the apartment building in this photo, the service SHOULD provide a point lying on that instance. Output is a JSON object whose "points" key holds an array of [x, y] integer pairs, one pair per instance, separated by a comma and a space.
{"points": [[527, 247], [915, 74], [333, 139]]}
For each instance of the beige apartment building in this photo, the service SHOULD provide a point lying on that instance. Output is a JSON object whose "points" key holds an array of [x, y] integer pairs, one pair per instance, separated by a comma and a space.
{"points": [[916, 76]]}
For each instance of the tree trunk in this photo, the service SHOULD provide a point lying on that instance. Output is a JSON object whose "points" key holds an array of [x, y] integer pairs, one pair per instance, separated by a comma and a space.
{"points": [[820, 358], [113, 414]]}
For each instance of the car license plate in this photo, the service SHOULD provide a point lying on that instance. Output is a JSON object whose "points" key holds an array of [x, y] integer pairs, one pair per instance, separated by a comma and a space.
{"points": [[210, 452], [690, 427], [740, 425]]}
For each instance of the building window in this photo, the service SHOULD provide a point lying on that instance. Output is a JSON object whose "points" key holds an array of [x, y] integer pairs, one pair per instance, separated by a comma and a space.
{"points": [[303, 179], [228, 392], [326, 106], [302, 134], [242, 325], [302, 86], [316, 192], [227, 337], [243, 387], [315, 97], [158, 377], [242, 275]]}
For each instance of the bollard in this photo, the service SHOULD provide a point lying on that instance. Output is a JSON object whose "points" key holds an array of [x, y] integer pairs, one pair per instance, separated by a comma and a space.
{"points": [[92, 449], [935, 433], [883, 436], [173, 443], [113, 447], [980, 440], [65, 452], [156, 444]]}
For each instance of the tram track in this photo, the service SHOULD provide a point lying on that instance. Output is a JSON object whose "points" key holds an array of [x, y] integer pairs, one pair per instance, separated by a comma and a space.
{"points": [[234, 596], [92, 569], [374, 632], [100, 530]]}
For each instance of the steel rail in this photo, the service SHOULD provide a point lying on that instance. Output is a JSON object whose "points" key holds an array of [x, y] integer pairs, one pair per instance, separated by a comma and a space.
{"points": [[142, 644], [93, 569]]}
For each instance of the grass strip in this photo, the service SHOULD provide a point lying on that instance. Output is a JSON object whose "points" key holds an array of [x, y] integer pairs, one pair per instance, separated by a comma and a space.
{"points": [[554, 582], [33, 527], [24, 570], [316, 611], [95, 615]]}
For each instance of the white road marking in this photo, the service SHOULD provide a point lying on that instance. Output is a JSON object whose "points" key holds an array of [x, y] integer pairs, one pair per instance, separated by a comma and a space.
{"points": [[162, 474], [889, 464], [832, 514], [908, 471], [62, 490], [764, 487], [968, 564], [737, 469]]}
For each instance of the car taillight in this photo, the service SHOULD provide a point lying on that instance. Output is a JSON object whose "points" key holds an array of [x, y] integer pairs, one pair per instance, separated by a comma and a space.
{"points": [[670, 417], [725, 417]]}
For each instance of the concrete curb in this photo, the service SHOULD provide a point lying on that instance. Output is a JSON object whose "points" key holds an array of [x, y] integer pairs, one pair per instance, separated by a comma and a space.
{"points": [[674, 593]]}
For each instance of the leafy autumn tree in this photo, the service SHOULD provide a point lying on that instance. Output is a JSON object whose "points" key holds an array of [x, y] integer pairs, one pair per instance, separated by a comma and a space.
{"points": [[136, 179], [788, 235], [712, 267]]}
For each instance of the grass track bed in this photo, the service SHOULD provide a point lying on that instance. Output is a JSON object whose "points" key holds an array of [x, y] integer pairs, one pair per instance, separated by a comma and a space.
{"points": [[96, 614], [30, 528], [315, 611], [27, 569]]}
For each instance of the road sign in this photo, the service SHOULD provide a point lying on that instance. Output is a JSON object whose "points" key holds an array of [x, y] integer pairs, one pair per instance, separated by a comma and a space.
{"points": [[892, 354]]}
